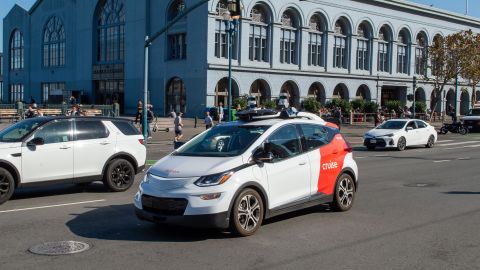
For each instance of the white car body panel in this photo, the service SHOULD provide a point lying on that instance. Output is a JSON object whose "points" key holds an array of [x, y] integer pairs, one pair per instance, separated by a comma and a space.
{"points": [[415, 137]]}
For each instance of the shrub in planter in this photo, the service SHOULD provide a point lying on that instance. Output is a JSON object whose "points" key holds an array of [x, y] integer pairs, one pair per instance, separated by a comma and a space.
{"points": [[371, 107], [358, 104], [311, 105], [343, 104]]}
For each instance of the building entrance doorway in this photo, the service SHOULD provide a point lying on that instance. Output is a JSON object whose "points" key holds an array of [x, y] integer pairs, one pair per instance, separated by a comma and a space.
{"points": [[109, 91], [391, 93]]}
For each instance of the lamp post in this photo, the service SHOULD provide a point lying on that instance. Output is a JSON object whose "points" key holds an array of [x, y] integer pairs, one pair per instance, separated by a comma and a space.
{"points": [[231, 29], [414, 94]]}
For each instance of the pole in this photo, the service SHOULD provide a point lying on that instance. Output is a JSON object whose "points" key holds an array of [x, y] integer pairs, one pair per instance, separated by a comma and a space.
{"points": [[466, 7], [230, 34], [456, 95], [414, 94], [145, 98]]}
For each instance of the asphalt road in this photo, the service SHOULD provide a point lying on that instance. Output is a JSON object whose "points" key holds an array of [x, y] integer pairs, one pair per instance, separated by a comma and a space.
{"points": [[418, 209]]}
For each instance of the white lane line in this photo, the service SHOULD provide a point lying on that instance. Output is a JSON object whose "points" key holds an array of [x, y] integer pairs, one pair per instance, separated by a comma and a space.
{"points": [[464, 158], [50, 206], [440, 161], [382, 156], [442, 141], [461, 147], [359, 157], [457, 143]]}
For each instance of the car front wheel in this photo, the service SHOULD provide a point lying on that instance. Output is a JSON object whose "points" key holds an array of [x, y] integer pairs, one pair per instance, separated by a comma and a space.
{"points": [[401, 144], [7, 185], [431, 142], [344, 193], [119, 175], [247, 215]]}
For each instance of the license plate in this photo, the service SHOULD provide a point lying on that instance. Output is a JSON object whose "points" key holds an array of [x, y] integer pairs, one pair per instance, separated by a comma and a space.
{"points": [[373, 141]]}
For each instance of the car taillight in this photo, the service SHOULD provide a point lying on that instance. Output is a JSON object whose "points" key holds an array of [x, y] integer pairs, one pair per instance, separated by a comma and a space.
{"points": [[141, 141], [347, 148]]}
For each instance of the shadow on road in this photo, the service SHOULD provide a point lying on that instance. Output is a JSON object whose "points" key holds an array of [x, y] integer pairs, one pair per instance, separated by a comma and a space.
{"points": [[118, 222], [461, 193], [60, 189]]}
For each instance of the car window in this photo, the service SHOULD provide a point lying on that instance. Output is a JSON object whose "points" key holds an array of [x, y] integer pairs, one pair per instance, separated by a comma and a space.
{"points": [[421, 124], [315, 136], [285, 143], [126, 127], [412, 125], [90, 130], [55, 132]]}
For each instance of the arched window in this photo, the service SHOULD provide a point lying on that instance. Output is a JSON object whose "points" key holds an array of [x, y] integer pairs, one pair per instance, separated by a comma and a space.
{"points": [[221, 36], [288, 38], [421, 54], [54, 43], [177, 42], [403, 52], [111, 31], [259, 40], [317, 40], [341, 44], [363, 47], [16, 50], [384, 50]]}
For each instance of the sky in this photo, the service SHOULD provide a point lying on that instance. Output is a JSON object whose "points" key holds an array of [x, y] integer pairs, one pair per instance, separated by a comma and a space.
{"points": [[452, 5]]}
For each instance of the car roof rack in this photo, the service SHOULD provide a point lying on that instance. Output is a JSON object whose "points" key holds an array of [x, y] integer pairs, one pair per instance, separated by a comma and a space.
{"points": [[264, 114]]}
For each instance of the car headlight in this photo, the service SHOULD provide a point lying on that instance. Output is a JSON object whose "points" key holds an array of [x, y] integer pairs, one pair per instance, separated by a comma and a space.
{"points": [[389, 135], [213, 180], [146, 178]]}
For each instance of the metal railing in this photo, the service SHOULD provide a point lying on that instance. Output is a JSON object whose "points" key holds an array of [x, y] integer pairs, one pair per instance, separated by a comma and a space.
{"points": [[107, 110]]}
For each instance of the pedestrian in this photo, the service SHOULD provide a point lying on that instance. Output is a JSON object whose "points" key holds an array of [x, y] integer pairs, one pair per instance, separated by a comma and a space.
{"points": [[220, 112], [30, 113], [451, 112], [73, 100], [150, 117], [138, 114], [208, 120], [39, 112], [172, 114], [178, 127]]}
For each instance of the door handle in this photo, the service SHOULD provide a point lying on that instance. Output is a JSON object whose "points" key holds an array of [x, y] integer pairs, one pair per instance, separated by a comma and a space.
{"points": [[302, 163], [64, 147], [104, 143]]}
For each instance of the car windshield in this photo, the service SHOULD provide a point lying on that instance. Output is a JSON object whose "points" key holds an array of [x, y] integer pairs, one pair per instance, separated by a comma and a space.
{"points": [[392, 125], [222, 141], [474, 112], [16, 132]]}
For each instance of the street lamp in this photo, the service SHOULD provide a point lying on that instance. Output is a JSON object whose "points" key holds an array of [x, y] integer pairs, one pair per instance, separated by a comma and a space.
{"points": [[231, 23]]}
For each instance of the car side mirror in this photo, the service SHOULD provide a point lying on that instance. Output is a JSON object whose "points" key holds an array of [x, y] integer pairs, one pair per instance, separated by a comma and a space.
{"points": [[409, 128], [35, 142], [262, 156]]}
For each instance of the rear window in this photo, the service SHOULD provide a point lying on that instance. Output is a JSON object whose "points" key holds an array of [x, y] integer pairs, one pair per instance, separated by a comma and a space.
{"points": [[126, 127], [90, 130], [316, 136]]}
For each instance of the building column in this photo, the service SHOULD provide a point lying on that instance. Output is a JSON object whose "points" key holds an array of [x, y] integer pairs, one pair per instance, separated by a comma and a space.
{"points": [[393, 64], [244, 42], [374, 56], [303, 48], [275, 45], [329, 53]]}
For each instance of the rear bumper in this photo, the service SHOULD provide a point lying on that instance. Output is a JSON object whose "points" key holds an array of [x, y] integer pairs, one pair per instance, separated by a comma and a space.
{"points": [[219, 220]]}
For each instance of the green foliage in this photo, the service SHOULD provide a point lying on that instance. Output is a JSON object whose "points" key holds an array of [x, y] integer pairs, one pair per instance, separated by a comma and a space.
{"points": [[343, 104], [242, 101], [312, 105], [358, 104], [270, 104], [420, 107], [371, 107], [394, 105]]}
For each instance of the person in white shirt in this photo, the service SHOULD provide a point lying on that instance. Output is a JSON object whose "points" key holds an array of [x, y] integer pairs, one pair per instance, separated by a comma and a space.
{"points": [[220, 112], [208, 120]]}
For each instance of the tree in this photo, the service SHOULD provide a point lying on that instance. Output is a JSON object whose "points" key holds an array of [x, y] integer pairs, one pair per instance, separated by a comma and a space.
{"points": [[470, 63], [312, 105], [445, 56]]}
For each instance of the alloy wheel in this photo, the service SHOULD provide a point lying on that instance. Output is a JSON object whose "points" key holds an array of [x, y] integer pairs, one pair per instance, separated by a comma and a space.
{"points": [[345, 192], [4, 185], [121, 175], [249, 212]]}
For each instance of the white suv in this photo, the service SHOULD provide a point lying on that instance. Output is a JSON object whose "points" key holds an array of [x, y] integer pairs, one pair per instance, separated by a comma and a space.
{"points": [[236, 174], [47, 150]]}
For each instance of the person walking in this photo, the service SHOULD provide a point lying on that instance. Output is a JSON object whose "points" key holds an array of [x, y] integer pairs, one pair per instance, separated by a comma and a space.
{"points": [[220, 112], [150, 117], [178, 127], [208, 120], [138, 114]]}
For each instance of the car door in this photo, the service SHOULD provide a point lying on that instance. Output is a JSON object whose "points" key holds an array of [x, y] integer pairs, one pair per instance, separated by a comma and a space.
{"points": [[94, 145], [289, 173], [423, 132], [411, 135], [54, 159]]}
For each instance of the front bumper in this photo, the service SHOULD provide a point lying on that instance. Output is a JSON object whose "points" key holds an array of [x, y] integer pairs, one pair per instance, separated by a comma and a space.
{"points": [[379, 142], [219, 220]]}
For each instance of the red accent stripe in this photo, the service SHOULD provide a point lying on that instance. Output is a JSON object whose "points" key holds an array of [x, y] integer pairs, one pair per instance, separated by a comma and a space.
{"points": [[332, 157]]}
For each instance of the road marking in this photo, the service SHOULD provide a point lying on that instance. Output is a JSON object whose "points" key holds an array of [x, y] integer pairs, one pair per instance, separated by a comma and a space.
{"points": [[464, 158], [465, 146], [359, 157], [382, 156], [457, 143], [441, 161], [50, 206], [442, 141]]}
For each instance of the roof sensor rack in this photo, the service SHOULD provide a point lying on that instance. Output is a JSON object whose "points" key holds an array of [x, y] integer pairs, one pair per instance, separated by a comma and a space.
{"points": [[263, 114]]}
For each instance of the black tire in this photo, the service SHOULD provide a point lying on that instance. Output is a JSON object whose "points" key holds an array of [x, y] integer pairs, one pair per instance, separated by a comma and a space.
{"points": [[401, 144], [119, 175], [247, 219], [431, 142], [344, 193], [7, 185], [443, 130], [371, 147], [462, 130]]}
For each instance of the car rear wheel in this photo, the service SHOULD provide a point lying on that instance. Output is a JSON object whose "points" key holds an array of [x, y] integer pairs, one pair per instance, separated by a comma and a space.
{"points": [[119, 175], [431, 142], [247, 214], [7, 185], [401, 144], [344, 193]]}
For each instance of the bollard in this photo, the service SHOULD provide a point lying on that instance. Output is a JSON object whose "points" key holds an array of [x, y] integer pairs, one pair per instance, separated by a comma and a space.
{"points": [[196, 119]]}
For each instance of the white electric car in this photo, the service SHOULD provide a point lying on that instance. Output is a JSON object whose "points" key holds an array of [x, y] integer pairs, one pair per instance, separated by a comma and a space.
{"points": [[48, 150], [401, 133], [264, 168]]}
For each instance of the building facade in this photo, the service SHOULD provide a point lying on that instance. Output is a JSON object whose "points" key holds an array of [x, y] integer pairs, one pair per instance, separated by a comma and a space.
{"points": [[94, 50]]}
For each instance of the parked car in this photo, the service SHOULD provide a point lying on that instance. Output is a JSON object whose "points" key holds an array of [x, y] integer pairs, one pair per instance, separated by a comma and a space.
{"points": [[401, 133], [47, 150], [266, 166], [472, 120]]}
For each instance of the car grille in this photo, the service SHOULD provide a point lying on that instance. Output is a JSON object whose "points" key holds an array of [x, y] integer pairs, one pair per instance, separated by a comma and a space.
{"points": [[164, 206], [380, 142]]}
